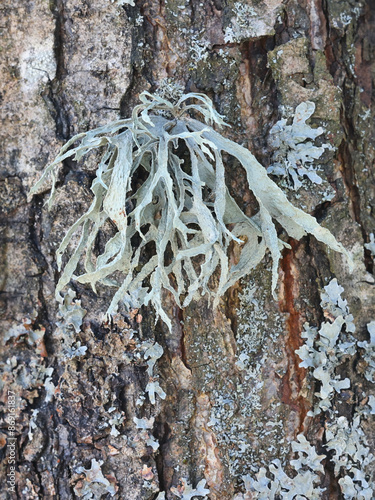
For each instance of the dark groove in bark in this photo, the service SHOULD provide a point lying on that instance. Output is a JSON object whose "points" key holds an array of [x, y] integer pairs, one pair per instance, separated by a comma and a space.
{"points": [[180, 323], [55, 94], [232, 304], [161, 432], [337, 56], [151, 11], [263, 91], [125, 102], [35, 236], [350, 180]]}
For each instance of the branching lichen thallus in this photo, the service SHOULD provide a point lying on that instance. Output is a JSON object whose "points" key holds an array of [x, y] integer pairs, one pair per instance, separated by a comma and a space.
{"points": [[188, 213]]}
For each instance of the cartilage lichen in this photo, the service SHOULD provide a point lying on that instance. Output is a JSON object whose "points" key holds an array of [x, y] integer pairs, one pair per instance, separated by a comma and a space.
{"points": [[180, 207]]}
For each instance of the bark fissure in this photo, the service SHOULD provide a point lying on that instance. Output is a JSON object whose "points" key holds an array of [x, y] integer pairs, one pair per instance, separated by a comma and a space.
{"points": [[35, 236], [55, 95]]}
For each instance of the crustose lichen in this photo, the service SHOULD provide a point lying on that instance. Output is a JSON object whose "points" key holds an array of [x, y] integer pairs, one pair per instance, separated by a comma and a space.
{"points": [[182, 209]]}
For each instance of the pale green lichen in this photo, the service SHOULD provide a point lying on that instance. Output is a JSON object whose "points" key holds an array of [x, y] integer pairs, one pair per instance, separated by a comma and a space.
{"points": [[70, 316], [153, 351], [371, 244], [186, 492], [49, 385], [295, 151], [323, 352], [251, 411], [24, 330], [250, 21], [145, 435], [94, 485], [351, 456], [241, 24], [273, 482], [346, 445], [124, 2], [324, 349], [170, 90], [116, 420], [32, 424], [70, 312], [182, 207]]}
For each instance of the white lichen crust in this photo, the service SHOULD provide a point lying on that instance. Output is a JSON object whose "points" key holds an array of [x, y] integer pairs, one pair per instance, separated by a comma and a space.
{"points": [[182, 207]]}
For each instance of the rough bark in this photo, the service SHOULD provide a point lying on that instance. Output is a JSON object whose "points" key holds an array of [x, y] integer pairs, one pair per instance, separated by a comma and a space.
{"points": [[69, 66]]}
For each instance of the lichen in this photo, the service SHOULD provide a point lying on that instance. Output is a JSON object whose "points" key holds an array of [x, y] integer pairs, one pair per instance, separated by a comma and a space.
{"points": [[323, 352], [123, 2], [182, 208], [71, 312], [324, 348], [250, 21], [69, 324], [371, 244], [145, 425], [94, 484], [186, 492], [49, 385], [294, 148], [116, 420], [24, 331], [247, 419], [170, 90], [153, 351], [199, 46], [303, 485], [32, 424], [351, 457]]}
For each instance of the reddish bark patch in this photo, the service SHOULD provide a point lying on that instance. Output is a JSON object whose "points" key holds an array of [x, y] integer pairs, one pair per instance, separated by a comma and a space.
{"points": [[293, 380]]}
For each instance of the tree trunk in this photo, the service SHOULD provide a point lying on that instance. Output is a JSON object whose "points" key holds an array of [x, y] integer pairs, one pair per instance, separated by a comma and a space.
{"points": [[77, 420]]}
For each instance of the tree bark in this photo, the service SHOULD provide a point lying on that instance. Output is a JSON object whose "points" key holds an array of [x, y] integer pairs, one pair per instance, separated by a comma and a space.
{"points": [[69, 66]]}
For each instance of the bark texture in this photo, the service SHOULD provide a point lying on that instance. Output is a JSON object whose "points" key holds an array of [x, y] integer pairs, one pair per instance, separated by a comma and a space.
{"points": [[84, 426]]}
